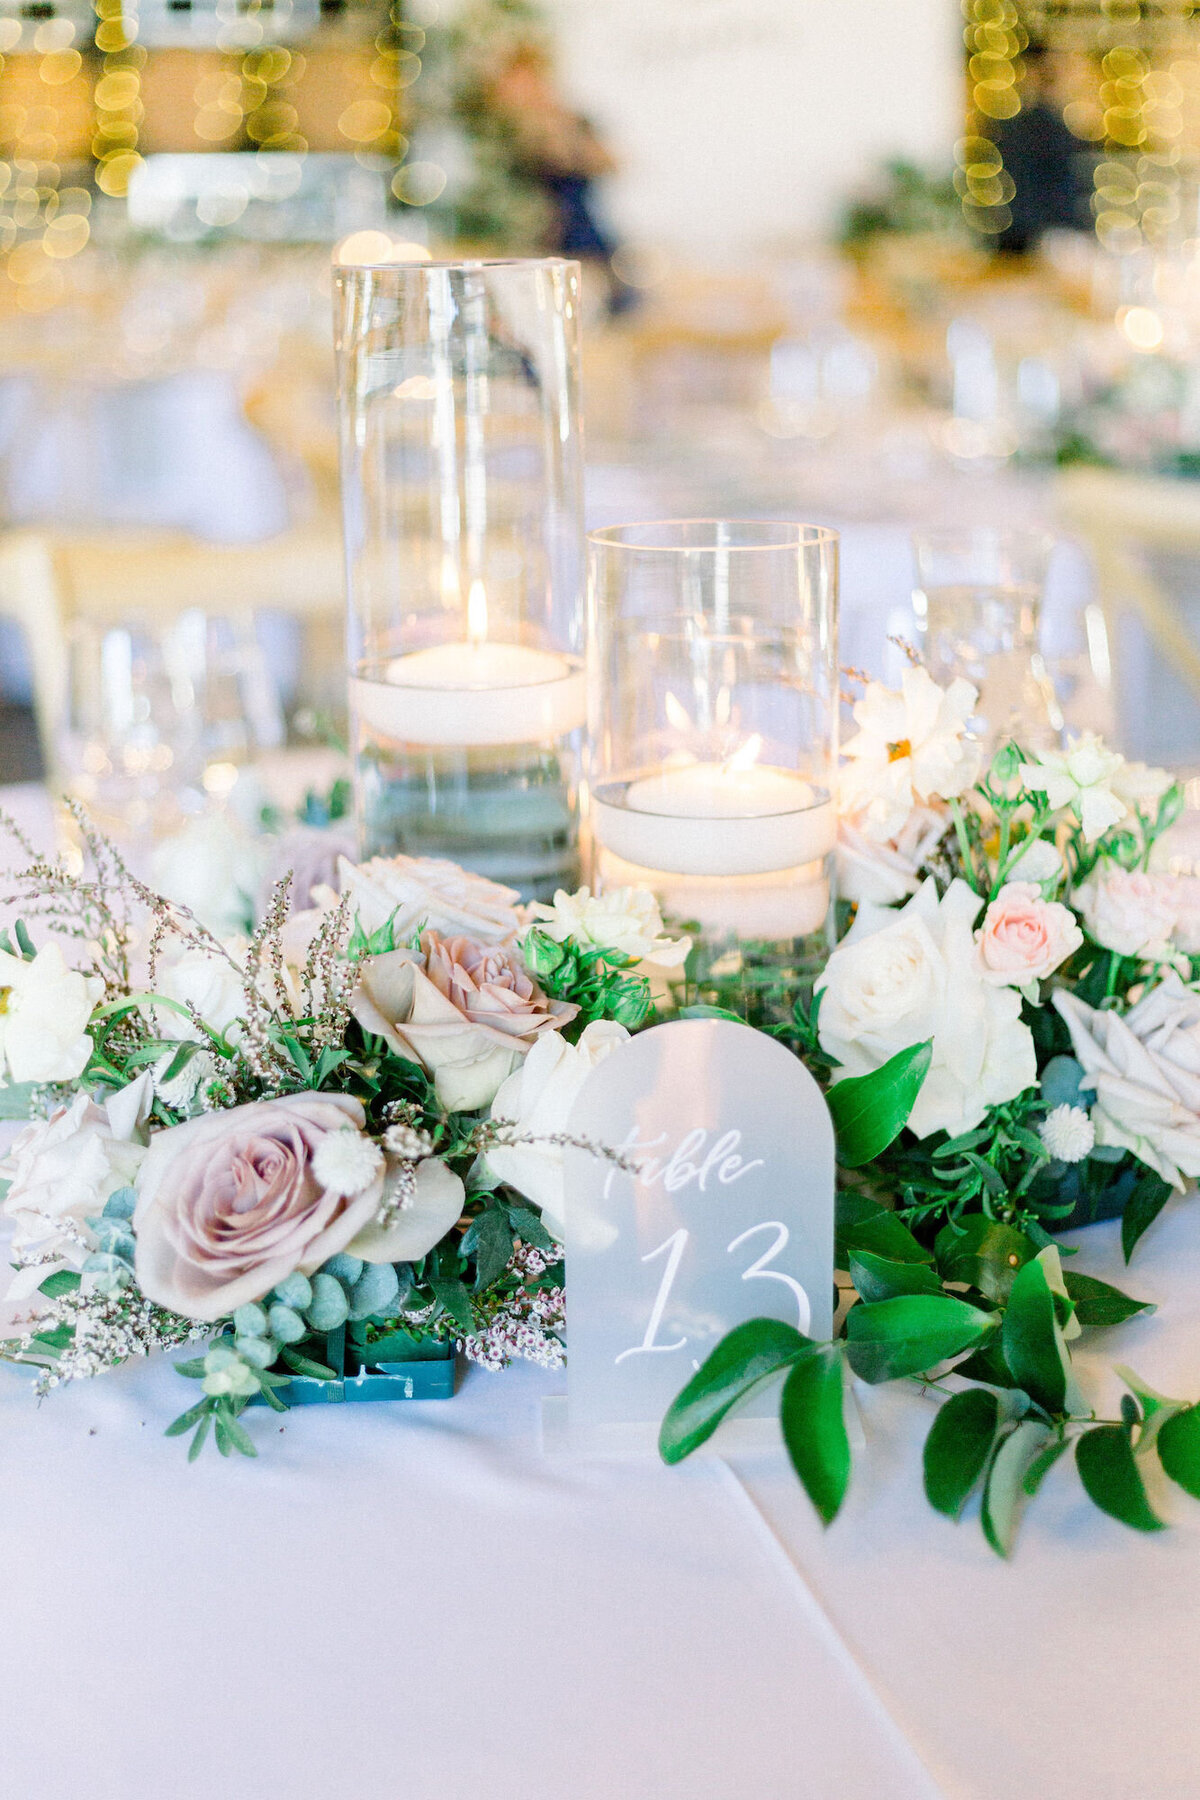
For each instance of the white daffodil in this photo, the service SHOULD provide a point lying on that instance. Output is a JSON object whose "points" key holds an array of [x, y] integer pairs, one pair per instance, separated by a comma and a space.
{"points": [[911, 745], [1082, 778]]}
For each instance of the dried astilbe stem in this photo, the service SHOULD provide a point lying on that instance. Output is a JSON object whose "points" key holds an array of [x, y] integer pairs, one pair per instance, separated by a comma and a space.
{"points": [[906, 649], [496, 1134]]}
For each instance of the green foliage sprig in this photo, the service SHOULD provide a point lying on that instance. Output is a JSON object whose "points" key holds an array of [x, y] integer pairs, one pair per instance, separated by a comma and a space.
{"points": [[594, 979]]}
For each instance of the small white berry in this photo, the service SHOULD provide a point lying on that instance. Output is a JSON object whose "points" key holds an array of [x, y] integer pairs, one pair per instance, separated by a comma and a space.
{"points": [[1068, 1134]]}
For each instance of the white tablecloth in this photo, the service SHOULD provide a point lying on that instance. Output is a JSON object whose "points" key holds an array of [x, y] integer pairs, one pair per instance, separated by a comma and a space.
{"points": [[415, 1600]]}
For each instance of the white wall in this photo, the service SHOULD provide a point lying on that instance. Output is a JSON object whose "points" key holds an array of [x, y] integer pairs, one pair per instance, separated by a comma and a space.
{"points": [[741, 124]]}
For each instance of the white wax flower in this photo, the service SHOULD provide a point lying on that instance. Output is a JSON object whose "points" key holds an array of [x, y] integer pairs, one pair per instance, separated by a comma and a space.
{"points": [[625, 919], [1145, 1071], [1068, 1134], [910, 746], [1082, 778], [899, 978], [537, 1102], [44, 1009]]}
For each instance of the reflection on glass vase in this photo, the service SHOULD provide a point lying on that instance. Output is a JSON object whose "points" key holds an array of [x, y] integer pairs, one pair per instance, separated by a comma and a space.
{"points": [[462, 495], [979, 601], [713, 743]]}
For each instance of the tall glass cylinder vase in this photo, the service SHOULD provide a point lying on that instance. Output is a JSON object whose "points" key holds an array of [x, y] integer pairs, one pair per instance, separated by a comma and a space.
{"points": [[713, 694], [462, 494]]}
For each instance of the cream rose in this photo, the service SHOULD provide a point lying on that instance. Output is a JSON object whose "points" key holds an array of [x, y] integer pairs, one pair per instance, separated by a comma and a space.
{"points": [[899, 978], [423, 892], [228, 1204], [435, 1205], [1133, 914], [468, 1014], [1024, 938], [62, 1170], [537, 1102], [626, 919], [1145, 1072], [44, 1010], [884, 873]]}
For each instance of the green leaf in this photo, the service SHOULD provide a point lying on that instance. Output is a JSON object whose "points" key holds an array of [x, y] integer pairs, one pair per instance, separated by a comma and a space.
{"points": [[862, 1224], [908, 1335], [529, 1227], [1098, 1305], [957, 1449], [192, 1370], [1004, 1491], [1104, 1458], [744, 1357], [878, 1278], [24, 942], [454, 1300], [1179, 1448], [304, 1365], [492, 1247], [987, 1364], [1142, 1208], [187, 1419], [63, 1281], [814, 1427], [983, 1253], [870, 1111], [1042, 1464], [202, 1431], [1032, 1344], [239, 1437], [710, 1012]]}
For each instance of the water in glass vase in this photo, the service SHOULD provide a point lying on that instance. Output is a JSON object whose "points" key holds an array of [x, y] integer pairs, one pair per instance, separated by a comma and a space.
{"points": [[504, 805], [988, 634]]}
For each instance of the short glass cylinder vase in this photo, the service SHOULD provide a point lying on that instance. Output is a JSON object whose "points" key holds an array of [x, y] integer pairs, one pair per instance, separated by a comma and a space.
{"points": [[713, 703], [463, 507]]}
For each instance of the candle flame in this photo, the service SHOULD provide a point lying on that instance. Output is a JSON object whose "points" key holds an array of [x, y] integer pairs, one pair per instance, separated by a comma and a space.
{"points": [[477, 613], [746, 756], [677, 714], [451, 592]]}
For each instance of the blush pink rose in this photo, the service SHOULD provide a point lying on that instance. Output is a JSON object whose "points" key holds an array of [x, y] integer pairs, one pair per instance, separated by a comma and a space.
{"points": [[1024, 938], [228, 1203]]}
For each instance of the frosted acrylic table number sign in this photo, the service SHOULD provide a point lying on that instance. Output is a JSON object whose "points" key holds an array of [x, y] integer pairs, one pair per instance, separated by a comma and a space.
{"points": [[728, 1217]]}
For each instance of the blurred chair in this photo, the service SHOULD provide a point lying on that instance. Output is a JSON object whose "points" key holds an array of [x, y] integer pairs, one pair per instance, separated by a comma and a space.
{"points": [[1143, 534], [50, 585]]}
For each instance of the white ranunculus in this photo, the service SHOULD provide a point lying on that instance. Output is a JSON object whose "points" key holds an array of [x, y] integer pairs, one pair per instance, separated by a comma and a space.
{"points": [[537, 1101], [1083, 778], [1131, 913], [62, 1170], [884, 873], [910, 746], [899, 978], [214, 868], [1145, 1072], [44, 1009], [423, 892], [625, 919]]}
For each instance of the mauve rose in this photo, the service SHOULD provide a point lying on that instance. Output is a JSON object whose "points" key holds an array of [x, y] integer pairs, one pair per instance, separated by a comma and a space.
{"points": [[228, 1203], [466, 1012]]}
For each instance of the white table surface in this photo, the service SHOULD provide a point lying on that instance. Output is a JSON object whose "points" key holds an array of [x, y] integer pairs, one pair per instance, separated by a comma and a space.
{"points": [[414, 1600]]}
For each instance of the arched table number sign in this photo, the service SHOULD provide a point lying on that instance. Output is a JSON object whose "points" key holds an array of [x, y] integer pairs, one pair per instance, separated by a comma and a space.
{"points": [[721, 1210]]}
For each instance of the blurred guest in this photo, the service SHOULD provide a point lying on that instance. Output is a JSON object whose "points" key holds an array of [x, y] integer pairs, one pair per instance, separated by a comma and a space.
{"points": [[563, 153], [1048, 165]]}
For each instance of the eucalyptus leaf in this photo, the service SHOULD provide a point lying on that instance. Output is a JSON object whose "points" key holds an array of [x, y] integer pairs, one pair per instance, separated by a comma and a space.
{"points": [[1031, 1340], [878, 1278], [870, 1111], [16, 1098], [744, 1357], [1004, 1490], [958, 1447], [1061, 1080], [1098, 1305], [812, 1416], [910, 1334], [1111, 1478], [1179, 1448]]}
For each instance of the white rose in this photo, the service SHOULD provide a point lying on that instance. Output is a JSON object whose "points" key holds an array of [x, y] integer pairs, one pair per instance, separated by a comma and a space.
{"points": [[625, 919], [435, 1205], [62, 1170], [899, 978], [1039, 862], [1133, 914], [884, 873], [211, 983], [422, 891], [44, 1010], [537, 1100], [214, 868], [1145, 1071]]}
